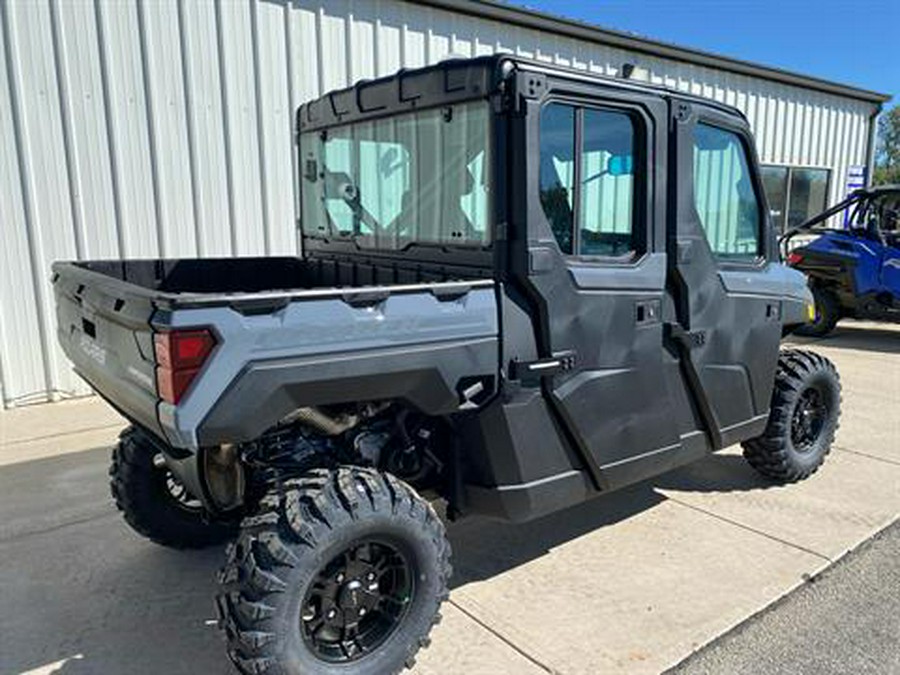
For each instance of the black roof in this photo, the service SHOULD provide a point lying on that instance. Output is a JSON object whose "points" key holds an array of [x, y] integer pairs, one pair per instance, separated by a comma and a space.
{"points": [[455, 80]]}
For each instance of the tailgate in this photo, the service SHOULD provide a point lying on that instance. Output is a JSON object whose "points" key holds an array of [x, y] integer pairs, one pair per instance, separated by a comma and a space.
{"points": [[103, 325]]}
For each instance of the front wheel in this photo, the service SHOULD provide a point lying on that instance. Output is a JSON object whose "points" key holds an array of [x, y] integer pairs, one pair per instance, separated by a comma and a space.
{"points": [[340, 571], [803, 419]]}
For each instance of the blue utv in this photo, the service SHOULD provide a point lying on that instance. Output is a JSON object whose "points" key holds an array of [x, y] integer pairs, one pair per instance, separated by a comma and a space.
{"points": [[853, 267]]}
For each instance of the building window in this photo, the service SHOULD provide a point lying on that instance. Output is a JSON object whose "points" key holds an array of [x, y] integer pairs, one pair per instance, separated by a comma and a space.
{"points": [[723, 194], [588, 196], [775, 183], [808, 194], [795, 194]]}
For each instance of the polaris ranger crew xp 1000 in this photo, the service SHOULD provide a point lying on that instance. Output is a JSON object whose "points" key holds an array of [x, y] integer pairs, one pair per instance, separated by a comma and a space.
{"points": [[521, 287]]}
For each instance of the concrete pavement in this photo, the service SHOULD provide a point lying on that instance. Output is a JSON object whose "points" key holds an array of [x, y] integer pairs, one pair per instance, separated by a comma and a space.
{"points": [[630, 583]]}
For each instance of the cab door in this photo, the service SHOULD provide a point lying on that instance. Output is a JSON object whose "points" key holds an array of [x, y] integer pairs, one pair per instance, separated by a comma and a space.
{"points": [[723, 272], [593, 264]]}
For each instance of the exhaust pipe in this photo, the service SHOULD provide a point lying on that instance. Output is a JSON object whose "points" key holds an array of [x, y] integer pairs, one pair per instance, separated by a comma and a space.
{"points": [[315, 418]]}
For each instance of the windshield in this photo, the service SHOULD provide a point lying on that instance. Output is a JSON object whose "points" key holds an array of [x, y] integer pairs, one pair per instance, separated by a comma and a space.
{"points": [[421, 177]]}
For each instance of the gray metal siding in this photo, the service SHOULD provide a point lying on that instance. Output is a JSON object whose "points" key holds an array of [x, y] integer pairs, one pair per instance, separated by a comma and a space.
{"points": [[163, 128]]}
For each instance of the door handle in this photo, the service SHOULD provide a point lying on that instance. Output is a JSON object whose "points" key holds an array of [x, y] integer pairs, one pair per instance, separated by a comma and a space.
{"points": [[531, 372], [647, 312]]}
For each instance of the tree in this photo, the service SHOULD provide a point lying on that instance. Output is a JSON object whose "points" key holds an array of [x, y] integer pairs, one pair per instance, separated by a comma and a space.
{"points": [[887, 161]]}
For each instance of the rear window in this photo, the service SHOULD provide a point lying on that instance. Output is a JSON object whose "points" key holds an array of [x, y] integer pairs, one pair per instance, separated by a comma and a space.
{"points": [[422, 177]]}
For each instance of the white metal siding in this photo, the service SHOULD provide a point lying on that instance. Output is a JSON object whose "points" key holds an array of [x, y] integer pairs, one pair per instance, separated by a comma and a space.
{"points": [[163, 128]]}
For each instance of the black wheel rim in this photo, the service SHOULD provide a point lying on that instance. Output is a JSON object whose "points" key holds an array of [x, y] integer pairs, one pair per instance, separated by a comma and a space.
{"points": [[810, 415], [357, 601], [178, 493]]}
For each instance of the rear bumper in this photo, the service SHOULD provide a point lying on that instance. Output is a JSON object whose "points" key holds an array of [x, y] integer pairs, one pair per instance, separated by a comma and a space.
{"points": [[129, 400]]}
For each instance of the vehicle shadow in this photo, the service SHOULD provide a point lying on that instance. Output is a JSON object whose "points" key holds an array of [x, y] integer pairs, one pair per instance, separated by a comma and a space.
{"points": [[716, 473], [153, 613], [82, 594], [484, 548], [89, 596], [857, 336]]}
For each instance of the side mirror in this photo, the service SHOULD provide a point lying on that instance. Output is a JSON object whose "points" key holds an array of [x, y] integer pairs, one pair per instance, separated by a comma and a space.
{"points": [[711, 139], [620, 165]]}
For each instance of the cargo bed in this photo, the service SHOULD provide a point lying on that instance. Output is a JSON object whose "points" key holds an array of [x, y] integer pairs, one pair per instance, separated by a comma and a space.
{"points": [[223, 280], [289, 332]]}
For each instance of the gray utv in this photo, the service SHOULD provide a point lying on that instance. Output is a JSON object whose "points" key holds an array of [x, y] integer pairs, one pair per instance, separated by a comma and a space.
{"points": [[521, 287]]}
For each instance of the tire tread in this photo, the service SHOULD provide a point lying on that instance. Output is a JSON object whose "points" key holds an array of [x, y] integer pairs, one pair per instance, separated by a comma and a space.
{"points": [[770, 453], [292, 520], [133, 490]]}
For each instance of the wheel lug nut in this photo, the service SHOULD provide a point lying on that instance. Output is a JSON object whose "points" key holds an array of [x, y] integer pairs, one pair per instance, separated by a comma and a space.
{"points": [[362, 611], [331, 613], [340, 578], [371, 576]]}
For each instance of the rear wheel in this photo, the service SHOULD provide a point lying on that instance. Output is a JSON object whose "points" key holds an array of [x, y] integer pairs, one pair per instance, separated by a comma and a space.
{"points": [[828, 312], [803, 419], [155, 503], [341, 571]]}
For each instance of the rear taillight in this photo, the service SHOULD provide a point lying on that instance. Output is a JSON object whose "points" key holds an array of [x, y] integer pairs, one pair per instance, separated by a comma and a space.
{"points": [[180, 354], [794, 259]]}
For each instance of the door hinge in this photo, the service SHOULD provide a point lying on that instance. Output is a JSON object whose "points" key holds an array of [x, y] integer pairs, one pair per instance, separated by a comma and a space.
{"points": [[527, 86], [682, 112], [531, 84], [689, 339]]}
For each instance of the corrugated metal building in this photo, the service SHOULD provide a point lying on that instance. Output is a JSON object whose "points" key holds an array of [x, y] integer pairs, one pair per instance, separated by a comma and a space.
{"points": [[163, 128]]}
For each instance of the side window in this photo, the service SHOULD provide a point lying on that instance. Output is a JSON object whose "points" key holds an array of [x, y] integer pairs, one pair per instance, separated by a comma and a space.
{"points": [[607, 184], [723, 194], [594, 217], [557, 171]]}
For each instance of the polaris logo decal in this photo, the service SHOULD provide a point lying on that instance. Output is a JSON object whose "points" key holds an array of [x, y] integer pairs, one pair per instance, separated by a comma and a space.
{"points": [[93, 350], [893, 262]]}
